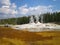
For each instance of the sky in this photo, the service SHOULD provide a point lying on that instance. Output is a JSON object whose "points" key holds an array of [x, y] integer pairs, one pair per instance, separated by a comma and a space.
{"points": [[18, 8]]}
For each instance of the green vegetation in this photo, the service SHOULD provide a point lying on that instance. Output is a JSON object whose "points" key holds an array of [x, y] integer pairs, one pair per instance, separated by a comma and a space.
{"points": [[51, 18], [54, 17], [10, 36]]}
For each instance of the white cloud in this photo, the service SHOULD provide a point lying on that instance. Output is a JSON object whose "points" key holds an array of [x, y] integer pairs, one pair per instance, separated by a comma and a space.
{"points": [[24, 6], [5, 2], [7, 8], [35, 10], [4, 10], [23, 9], [13, 6]]}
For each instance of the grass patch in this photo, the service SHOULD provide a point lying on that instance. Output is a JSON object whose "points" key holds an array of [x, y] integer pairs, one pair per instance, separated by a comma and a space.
{"points": [[10, 36]]}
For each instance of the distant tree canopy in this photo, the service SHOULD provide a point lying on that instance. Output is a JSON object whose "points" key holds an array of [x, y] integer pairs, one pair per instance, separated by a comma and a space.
{"points": [[53, 17], [47, 17]]}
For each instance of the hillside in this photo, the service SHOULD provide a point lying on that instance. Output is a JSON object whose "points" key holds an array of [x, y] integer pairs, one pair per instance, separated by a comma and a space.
{"points": [[10, 36]]}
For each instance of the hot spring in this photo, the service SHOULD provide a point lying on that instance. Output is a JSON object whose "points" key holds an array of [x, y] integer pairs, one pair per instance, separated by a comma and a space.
{"points": [[38, 26]]}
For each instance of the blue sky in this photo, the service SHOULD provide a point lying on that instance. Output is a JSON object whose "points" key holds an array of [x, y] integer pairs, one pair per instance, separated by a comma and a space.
{"points": [[55, 3], [16, 8]]}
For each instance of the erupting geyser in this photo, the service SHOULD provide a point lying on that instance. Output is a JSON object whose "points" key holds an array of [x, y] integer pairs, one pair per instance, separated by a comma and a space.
{"points": [[31, 20], [37, 19], [36, 27]]}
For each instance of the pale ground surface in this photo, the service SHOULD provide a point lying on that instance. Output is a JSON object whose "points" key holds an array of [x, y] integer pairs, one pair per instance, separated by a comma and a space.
{"points": [[36, 27]]}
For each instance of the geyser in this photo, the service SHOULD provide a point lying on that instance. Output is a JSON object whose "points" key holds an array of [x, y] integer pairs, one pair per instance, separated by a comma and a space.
{"points": [[31, 19], [36, 27], [37, 18]]}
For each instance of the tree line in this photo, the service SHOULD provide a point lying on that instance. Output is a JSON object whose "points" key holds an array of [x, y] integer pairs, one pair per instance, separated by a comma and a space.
{"points": [[47, 18]]}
